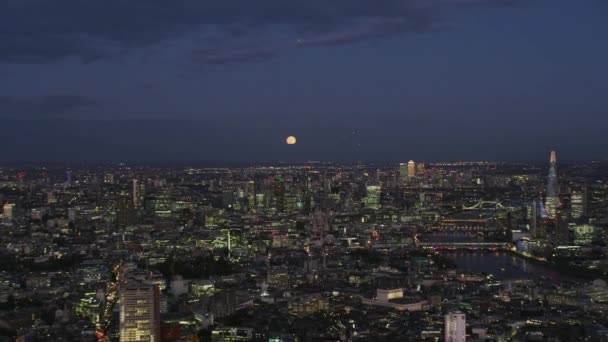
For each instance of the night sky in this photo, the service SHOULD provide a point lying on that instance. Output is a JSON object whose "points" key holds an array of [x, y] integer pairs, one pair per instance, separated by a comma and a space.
{"points": [[228, 80]]}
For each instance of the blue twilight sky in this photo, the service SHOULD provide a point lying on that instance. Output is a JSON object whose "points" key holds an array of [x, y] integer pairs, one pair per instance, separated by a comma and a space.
{"points": [[228, 80]]}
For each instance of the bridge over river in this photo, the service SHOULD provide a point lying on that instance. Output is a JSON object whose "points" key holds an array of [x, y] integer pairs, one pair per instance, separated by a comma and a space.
{"points": [[457, 241]]}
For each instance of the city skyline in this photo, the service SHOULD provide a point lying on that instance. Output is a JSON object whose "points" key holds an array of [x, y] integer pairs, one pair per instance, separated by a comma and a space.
{"points": [[408, 251]]}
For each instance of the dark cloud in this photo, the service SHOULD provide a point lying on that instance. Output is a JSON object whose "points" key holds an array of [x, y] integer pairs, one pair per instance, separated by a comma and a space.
{"points": [[367, 30], [222, 57], [35, 31], [43, 106]]}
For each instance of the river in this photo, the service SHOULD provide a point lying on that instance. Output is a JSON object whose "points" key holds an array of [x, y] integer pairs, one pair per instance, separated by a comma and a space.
{"points": [[504, 265]]}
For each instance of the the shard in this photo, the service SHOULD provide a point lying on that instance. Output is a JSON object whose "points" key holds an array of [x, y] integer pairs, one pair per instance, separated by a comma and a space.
{"points": [[552, 200]]}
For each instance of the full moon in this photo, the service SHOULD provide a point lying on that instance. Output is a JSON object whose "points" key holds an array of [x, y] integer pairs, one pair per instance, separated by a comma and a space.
{"points": [[291, 140]]}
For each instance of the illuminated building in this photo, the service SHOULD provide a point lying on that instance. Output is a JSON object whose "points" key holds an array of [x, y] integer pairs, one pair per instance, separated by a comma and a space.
{"points": [[307, 199], [89, 307], [231, 334], [139, 194], [139, 313], [561, 299], [278, 193], [251, 198], [599, 199], [578, 203], [372, 200], [386, 295], [260, 201], [201, 288], [278, 278], [552, 200], [403, 171], [8, 212], [308, 306], [394, 299], [455, 327], [534, 219], [411, 169], [291, 203], [160, 205], [420, 169], [584, 234]]}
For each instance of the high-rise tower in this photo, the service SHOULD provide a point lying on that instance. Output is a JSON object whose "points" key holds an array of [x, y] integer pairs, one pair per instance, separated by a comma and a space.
{"points": [[552, 200], [455, 327], [411, 169], [403, 171], [534, 218], [139, 194], [139, 313], [278, 193], [68, 177]]}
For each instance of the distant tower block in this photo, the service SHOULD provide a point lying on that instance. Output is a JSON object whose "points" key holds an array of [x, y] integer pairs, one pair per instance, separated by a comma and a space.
{"points": [[403, 170], [68, 177], [411, 169], [552, 200], [134, 192]]}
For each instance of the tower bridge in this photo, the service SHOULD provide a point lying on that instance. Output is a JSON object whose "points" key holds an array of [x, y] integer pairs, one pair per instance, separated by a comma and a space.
{"points": [[484, 205], [459, 226]]}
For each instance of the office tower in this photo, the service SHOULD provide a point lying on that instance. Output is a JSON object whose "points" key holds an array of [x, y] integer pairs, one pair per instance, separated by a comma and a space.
{"points": [[584, 234], [411, 169], [251, 195], [134, 192], [534, 219], [68, 177], [562, 230], [139, 194], [372, 199], [552, 200], [578, 203], [139, 313], [291, 202], [125, 213], [420, 169], [307, 199], [278, 193], [403, 171], [455, 327], [8, 212], [599, 199]]}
